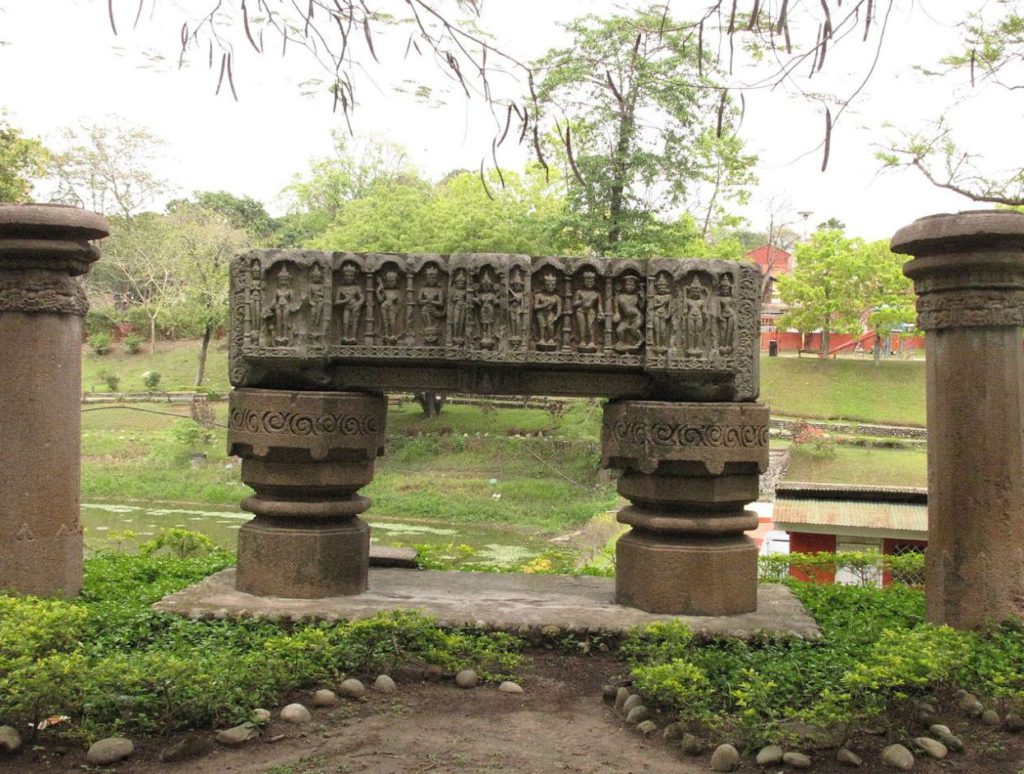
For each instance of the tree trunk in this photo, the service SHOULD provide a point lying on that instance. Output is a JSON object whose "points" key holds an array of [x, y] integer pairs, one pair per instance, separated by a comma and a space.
{"points": [[824, 341], [431, 402], [204, 348], [878, 349], [152, 335]]}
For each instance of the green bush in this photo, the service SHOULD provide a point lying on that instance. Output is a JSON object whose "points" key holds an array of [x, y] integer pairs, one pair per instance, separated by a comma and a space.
{"points": [[101, 343], [101, 320], [190, 433], [865, 566], [151, 379], [133, 343], [110, 378], [116, 666]]}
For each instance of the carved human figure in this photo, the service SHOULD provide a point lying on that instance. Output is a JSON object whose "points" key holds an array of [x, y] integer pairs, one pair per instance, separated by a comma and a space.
{"points": [[516, 300], [458, 300], [389, 297], [586, 305], [628, 315], [547, 310], [318, 304], [351, 299], [662, 308], [486, 300], [431, 303], [726, 316], [695, 319], [285, 303], [255, 300]]}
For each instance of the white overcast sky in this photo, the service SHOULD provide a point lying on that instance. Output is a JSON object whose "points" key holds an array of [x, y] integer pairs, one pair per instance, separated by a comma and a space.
{"points": [[63, 66]]}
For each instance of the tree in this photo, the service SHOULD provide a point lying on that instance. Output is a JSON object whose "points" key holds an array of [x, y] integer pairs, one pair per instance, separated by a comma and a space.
{"points": [[139, 258], [839, 282], [641, 123], [241, 212], [890, 294], [204, 242], [989, 62], [826, 289], [108, 169], [22, 160], [788, 42], [356, 166]]}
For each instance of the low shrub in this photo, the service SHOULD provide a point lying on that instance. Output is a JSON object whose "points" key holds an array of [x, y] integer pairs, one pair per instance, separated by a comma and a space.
{"points": [[111, 379], [101, 342], [133, 343], [114, 665], [151, 379]]}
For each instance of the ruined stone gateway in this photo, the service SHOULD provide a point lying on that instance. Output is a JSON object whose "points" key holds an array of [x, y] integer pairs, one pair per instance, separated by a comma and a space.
{"points": [[317, 338]]}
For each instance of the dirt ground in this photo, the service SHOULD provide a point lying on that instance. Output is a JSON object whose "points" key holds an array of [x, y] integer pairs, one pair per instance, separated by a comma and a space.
{"points": [[559, 724]]}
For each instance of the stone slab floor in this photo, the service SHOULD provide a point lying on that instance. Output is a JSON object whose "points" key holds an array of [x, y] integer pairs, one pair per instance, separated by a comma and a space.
{"points": [[516, 603]]}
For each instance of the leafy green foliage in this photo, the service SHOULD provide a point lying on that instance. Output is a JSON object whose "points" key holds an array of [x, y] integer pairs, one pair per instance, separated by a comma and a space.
{"points": [[101, 343], [639, 127], [22, 160], [116, 666], [838, 279], [151, 379]]}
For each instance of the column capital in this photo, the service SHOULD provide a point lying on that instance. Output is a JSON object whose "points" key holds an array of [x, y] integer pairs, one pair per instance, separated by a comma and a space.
{"points": [[49, 237], [968, 268]]}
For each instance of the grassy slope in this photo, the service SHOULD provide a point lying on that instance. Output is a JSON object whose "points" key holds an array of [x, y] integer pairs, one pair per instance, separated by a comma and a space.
{"points": [[175, 361], [878, 467], [544, 483], [890, 393]]}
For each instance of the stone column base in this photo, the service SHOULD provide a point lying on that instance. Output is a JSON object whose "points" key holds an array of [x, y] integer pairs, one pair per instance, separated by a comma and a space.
{"points": [[303, 561], [689, 470], [692, 575]]}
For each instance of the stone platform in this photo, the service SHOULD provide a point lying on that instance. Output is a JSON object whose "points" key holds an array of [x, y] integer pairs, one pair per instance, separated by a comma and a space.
{"points": [[515, 603]]}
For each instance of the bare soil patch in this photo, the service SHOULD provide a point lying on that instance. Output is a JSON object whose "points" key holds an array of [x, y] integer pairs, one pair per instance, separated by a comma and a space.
{"points": [[559, 724]]}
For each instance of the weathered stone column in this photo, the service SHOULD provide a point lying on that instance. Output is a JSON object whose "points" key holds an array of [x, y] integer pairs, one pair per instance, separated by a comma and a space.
{"points": [[306, 454], [968, 273], [42, 249], [688, 470]]}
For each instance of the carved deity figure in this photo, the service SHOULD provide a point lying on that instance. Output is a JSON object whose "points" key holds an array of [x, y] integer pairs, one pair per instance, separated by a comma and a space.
{"points": [[389, 297], [662, 308], [586, 305], [628, 315], [318, 304], [255, 300], [695, 319], [431, 303], [351, 299], [516, 300], [726, 317], [459, 301], [285, 303], [486, 301], [547, 310]]}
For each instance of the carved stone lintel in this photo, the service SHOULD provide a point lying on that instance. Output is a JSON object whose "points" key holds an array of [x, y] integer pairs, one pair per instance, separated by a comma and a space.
{"points": [[677, 329]]}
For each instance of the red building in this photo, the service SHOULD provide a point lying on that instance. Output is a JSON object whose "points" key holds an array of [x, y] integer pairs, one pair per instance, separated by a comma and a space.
{"points": [[838, 517]]}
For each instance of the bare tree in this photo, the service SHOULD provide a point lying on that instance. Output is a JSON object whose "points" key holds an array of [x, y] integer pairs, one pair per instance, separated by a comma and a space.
{"points": [[790, 40], [108, 169]]}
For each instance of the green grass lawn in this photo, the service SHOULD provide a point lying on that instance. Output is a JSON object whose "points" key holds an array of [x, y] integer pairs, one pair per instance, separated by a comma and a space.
{"points": [[855, 465], [549, 483], [175, 361], [889, 393]]}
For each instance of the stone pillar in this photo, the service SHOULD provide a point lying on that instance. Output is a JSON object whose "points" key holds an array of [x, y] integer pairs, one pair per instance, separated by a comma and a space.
{"points": [[306, 454], [688, 470], [42, 249], [968, 273]]}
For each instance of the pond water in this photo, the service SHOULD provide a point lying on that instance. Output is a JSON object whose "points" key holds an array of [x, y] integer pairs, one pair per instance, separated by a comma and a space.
{"points": [[126, 525]]}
